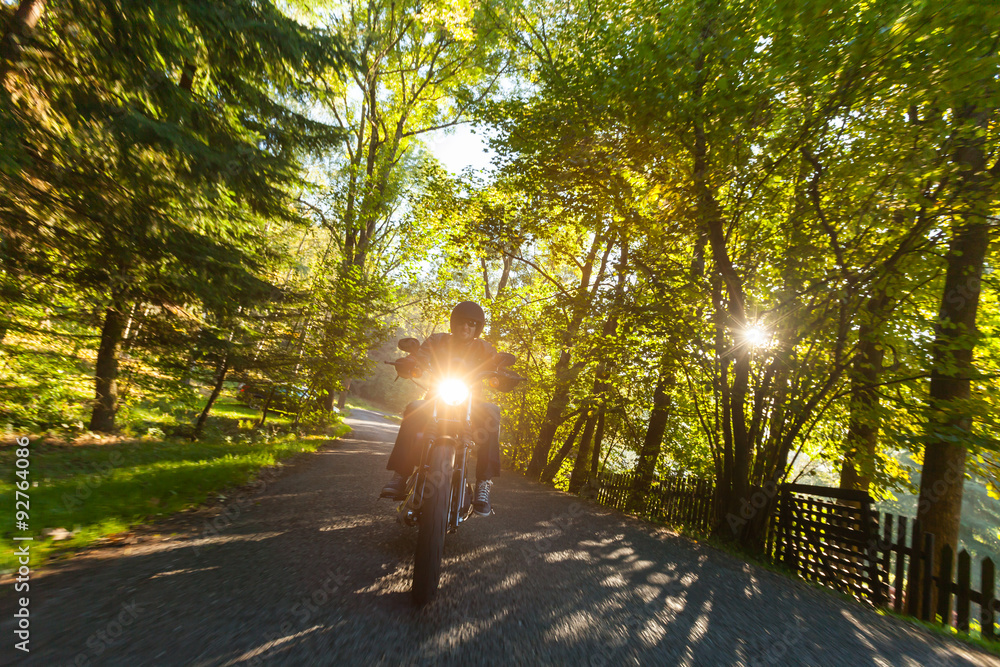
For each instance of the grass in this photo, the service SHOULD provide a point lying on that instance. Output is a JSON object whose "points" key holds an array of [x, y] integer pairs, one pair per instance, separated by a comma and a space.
{"points": [[947, 631], [97, 489], [91, 486]]}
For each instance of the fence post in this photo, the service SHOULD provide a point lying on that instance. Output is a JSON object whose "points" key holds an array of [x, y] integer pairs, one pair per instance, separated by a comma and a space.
{"points": [[696, 506], [986, 614], [769, 548], [706, 503], [668, 501], [897, 603], [789, 551], [679, 500], [647, 500], [709, 504], [682, 501], [886, 549], [926, 590], [944, 584], [913, 573], [962, 598], [870, 528], [689, 519]]}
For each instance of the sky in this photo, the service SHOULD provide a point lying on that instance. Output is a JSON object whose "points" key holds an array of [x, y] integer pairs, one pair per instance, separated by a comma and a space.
{"points": [[458, 148]]}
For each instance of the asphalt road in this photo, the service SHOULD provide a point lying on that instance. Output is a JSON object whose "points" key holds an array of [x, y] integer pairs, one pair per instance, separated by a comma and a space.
{"points": [[310, 568]]}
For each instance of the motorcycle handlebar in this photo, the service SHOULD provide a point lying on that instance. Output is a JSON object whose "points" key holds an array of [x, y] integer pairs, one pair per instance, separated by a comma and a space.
{"points": [[481, 375]]}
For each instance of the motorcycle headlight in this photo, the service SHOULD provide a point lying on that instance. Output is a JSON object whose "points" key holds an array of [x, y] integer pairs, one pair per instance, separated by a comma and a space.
{"points": [[453, 392]]}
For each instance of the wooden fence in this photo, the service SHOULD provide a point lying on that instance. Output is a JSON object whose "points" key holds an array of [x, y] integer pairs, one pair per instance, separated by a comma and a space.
{"points": [[828, 536], [836, 538], [613, 490], [676, 501], [918, 571]]}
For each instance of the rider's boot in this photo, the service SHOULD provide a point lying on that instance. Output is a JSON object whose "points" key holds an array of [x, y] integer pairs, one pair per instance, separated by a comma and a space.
{"points": [[396, 488], [481, 505]]}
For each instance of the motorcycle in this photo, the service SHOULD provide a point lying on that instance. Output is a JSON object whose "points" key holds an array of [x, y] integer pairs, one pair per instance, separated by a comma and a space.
{"points": [[438, 496]]}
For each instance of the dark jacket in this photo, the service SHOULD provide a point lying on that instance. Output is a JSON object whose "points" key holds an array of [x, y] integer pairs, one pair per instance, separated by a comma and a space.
{"points": [[447, 356], [444, 353]]}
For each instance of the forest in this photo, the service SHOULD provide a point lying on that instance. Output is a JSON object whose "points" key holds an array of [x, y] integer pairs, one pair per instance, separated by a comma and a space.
{"points": [[739, 241]]}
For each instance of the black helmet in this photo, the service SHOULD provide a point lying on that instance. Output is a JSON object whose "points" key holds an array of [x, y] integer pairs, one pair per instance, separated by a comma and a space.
{"points": [[469, 310]]}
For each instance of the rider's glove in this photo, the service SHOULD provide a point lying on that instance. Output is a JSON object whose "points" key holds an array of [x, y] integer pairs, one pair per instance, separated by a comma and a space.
{"points": [[407, 367], [506, 380]]}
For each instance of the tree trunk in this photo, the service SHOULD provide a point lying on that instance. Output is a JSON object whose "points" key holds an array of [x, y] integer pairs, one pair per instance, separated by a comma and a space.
{"points": [[943, 474], [22, 24], [328, 395], [949, 421], [581, 467], [128, 325], [652, 444], [605, 367], [102, 419], [732, 489], [863, 425], [595, 459], [507, 261], [486, 279], [553, 415], [266, 407], [220, 378], [564, 373], [128, 341], [591, 483], [187, 76], [342, 399], [553, 466]]}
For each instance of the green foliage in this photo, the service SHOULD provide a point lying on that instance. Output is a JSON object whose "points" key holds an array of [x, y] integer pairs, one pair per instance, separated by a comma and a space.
{"points": [[671, 177], [155, 146], [765, 165]]}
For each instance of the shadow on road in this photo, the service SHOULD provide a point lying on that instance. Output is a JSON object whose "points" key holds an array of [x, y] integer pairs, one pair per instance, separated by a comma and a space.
{"points": [[314, 570]]}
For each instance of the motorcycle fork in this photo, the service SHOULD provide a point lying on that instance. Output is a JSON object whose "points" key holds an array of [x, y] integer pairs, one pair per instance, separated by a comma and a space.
{"points": [[458, 481], [421, 481], [415, 502]]}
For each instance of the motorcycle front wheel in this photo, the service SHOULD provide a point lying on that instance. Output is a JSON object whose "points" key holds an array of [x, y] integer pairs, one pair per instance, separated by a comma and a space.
{"points": [[433, 524]]}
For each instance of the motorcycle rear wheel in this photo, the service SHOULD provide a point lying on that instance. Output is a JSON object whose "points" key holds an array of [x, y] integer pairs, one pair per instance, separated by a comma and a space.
{"points": [[433, 524]]}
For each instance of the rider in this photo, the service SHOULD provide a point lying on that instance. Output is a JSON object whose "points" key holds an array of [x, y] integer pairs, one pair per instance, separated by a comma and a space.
{"points": [[462, 346]]}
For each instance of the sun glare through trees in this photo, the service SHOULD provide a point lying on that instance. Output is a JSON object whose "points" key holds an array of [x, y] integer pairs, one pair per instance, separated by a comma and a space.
{"points": [[743, 243]]}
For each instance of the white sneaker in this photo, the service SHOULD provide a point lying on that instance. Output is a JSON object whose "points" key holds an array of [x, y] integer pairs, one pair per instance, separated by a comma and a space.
{"points": [[481, 505]]}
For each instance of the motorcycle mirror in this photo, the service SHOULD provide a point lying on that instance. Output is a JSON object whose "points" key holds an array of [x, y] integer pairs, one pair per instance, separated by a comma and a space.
{"points": [[408, 345], [505, 359]]}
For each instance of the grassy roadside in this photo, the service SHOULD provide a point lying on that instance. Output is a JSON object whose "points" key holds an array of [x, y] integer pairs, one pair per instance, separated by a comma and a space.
{"points": [[86, 490], [975, 637]]}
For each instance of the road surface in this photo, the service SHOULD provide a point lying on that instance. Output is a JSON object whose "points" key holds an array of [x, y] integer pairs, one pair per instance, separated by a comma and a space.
{"points": [[310, 568]]}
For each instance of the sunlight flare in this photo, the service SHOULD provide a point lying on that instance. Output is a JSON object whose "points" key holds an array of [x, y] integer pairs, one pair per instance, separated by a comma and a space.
{"points": [[756, 335]]}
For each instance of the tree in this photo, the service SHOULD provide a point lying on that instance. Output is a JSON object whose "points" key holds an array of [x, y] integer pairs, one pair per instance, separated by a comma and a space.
{"points": [[149, 150], [949, 419], [778, 149], [419, 69]]}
